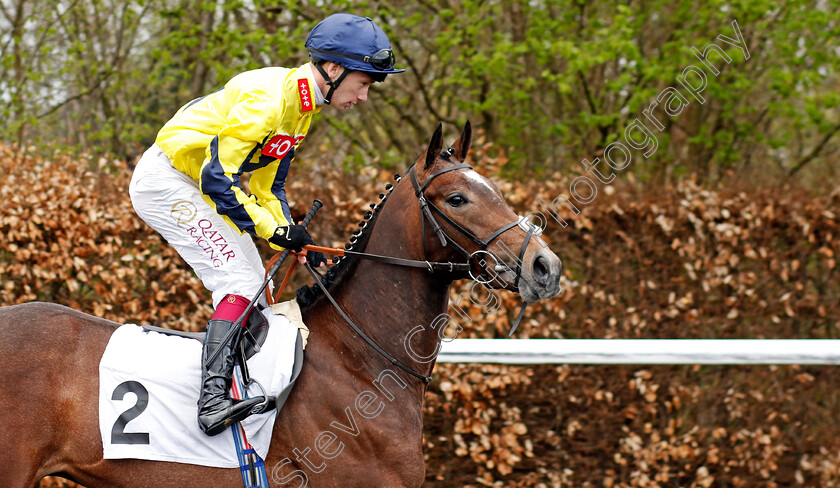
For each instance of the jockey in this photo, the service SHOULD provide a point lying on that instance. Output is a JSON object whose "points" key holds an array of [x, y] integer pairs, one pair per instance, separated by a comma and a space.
{"points": [[187, 185]]}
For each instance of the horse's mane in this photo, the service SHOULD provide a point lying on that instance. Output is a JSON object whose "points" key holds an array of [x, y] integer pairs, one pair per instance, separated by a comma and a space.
{"points": [[307, 295]]}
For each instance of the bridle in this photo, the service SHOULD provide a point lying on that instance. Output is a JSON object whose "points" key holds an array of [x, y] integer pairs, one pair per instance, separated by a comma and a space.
{"points": [[427, 208]]}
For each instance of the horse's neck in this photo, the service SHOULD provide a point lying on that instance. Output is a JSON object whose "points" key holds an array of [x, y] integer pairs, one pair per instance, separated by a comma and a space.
{"points": [[345, 378], [394, 299], [387, 302]]}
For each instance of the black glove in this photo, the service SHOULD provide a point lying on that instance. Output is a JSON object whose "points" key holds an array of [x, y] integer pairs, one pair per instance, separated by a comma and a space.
{"points": [[316, 259], [291, 237]]}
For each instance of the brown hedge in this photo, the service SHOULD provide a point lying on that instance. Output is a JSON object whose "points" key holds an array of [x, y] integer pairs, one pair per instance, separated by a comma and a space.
{"points": [[640, 262]]}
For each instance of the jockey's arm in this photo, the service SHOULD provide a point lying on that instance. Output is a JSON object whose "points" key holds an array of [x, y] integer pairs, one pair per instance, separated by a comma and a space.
{"points": [[228, 156]]}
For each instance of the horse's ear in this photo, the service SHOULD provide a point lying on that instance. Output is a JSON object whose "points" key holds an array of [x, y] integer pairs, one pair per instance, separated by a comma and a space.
{"points": [[462, 147], [435, 146]]}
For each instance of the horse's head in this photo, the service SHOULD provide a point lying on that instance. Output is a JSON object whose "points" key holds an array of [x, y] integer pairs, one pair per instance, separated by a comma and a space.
{"points": [[465, 217]]}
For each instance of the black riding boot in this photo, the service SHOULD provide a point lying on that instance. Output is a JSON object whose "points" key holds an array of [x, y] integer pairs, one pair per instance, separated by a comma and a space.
{"points": [[216, 410]]}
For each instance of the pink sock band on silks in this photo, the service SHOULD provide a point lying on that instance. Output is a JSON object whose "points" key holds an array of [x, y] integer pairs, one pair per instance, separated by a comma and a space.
{"points": [[230, 308]]}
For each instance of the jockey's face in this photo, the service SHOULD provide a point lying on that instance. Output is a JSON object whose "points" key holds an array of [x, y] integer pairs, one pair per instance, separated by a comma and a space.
{"points": [[352, 90]]}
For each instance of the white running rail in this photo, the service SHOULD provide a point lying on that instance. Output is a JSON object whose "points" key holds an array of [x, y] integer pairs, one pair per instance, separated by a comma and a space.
{"points": [[641, 351]]}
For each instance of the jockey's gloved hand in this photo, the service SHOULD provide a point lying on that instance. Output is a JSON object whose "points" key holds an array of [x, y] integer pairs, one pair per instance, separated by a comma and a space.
{"points": [[290, 237], [316, 259]]}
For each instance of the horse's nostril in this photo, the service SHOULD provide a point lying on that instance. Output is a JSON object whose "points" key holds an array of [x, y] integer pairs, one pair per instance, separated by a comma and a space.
{"points": [[541, 273]]}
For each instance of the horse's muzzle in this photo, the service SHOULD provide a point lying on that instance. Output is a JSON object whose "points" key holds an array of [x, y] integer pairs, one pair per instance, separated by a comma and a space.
{"points": [[541, 275]]}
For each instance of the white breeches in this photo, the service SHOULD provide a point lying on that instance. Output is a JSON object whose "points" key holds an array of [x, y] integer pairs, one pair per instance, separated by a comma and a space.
{"points": [[170, 202]]}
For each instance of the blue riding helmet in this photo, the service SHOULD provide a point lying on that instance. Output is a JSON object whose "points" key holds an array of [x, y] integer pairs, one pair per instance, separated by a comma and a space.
{"points": [[354, 42]]}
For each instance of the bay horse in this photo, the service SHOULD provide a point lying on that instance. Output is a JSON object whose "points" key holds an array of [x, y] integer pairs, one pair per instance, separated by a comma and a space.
{"points": [[353, 419]]}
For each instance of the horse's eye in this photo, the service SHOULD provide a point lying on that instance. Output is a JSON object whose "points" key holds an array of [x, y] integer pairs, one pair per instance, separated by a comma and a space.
{"points": [[456, 200]]}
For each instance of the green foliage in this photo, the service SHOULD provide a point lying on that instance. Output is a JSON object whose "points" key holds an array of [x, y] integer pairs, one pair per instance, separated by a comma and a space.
{"points": [[550, 81]]}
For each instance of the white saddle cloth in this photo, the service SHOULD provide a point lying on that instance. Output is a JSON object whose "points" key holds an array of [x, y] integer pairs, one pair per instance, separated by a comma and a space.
{"points": [[149, 387]]}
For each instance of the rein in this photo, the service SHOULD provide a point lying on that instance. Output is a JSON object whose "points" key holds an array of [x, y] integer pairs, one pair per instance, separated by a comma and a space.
{"points": [[431, 266], [384, 353]]}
